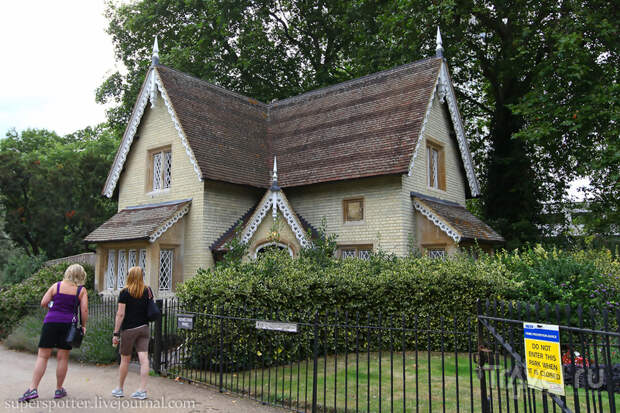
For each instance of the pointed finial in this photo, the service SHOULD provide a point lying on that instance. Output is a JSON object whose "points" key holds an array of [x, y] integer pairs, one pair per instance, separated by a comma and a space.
{"points": [[274, 176], [155, 57], [439, 49]]}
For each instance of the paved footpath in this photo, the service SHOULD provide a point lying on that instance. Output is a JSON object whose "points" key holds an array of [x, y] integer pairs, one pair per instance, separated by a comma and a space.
{"points": [[89, 386]]}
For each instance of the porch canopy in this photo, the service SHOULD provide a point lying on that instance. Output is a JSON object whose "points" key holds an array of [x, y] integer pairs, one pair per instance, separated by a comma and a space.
{"points": [[455, 220], [140, 222]]}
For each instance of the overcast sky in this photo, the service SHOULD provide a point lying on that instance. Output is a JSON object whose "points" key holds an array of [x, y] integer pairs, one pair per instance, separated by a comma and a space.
{"points": [[54, 54]]}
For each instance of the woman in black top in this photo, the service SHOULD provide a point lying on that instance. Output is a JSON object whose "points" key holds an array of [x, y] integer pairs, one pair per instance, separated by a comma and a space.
{"points": [[132, 327]]}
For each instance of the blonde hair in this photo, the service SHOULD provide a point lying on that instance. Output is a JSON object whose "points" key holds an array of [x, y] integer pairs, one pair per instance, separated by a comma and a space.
{"points": [[75, 273], [135, 282]]}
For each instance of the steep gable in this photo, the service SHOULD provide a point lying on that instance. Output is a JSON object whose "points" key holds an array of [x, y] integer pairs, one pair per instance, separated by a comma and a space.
{"points": [[364, 127]]}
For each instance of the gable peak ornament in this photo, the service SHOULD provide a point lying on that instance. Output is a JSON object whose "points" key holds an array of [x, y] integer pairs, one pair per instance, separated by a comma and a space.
{"points": [[439, 44], [155, 55], [274, 176]]}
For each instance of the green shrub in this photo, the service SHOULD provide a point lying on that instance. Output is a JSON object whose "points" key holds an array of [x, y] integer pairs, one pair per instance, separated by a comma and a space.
{"points": [[15, 300], [590, 278], [278, 287], [20, 266], [96, 347]]}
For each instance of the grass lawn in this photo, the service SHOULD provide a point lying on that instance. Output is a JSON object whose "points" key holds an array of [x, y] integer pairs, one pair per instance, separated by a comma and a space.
{"points": [[365, 385]]}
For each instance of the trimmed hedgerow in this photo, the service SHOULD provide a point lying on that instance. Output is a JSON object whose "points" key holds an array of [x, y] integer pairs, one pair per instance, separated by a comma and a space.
{"points": [[17, 300], [278, 287]]}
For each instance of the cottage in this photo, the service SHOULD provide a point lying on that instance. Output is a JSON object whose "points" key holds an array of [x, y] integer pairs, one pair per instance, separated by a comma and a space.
{"points": [[383, 159]]}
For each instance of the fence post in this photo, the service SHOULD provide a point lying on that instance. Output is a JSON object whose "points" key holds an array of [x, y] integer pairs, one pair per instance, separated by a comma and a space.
{"points": [[481, 363], [221, 385], [315, 361], [157, 345]]}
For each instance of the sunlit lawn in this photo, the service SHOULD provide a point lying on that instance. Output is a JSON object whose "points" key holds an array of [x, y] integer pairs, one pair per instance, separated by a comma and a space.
{"points": [[354, 386]]}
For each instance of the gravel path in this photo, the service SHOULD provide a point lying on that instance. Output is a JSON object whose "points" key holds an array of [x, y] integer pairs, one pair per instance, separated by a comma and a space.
{"points": [[89, 388]]}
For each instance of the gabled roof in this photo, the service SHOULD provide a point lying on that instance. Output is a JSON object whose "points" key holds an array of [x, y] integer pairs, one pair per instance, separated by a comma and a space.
{"points": [[140, 222], [364, 127], [220, 243], [456, 221]]}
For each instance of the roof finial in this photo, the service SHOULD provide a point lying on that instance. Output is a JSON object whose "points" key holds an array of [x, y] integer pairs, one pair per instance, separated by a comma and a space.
{"points": [[439, 49], [274, 176], [155, 57]]}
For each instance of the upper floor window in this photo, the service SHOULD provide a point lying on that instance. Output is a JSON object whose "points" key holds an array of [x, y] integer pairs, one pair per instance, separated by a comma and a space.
{"points": [[160, 168], [353, 210], [436, 166]]}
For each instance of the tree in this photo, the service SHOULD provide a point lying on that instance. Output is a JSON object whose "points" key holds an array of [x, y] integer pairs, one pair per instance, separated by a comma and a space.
{"points": [[50, 188], [507, 59]]}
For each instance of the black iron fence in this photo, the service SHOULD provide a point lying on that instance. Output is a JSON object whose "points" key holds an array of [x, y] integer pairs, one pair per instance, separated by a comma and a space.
{"points": [[341, 362], [331, 362], [590, 358]]}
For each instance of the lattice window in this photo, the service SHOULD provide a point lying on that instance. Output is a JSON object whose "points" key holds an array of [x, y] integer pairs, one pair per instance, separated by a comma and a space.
{"points": [[364, 254], [131, 258], [433, 167], [157, 184], [121, 269], [167, 169], [348, 253], [165, 269], [110, 276], [436, 169], [356, 251], [142, 260], [436, 253]]}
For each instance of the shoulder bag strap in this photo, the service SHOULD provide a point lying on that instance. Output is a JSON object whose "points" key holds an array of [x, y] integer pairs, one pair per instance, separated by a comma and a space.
{"points": [[76, 313]]}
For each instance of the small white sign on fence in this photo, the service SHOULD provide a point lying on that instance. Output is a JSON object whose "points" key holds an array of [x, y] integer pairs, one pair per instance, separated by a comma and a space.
{"points": [[275, 325]]}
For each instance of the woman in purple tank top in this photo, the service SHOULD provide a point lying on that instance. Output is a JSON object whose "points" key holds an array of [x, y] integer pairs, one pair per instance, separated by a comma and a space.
{"points": [[60, 298]]}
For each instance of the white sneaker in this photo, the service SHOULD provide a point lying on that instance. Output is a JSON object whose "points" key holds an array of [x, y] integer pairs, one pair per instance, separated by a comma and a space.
{"points": [[118, 392], [139, 395]]}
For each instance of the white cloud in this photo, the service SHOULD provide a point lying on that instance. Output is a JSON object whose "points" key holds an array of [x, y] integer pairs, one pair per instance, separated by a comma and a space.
{"points": [[54, 55]]}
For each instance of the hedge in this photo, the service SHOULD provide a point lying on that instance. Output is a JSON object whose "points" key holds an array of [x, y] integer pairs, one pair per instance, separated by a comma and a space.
{"points": [[410, 287], [17, 300]]}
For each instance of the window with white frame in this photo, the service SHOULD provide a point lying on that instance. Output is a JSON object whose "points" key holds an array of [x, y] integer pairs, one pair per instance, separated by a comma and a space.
{"points": [[435, 166], [166, 266], [436, 252], [110, 274], [121, 270], [355, 251], [161, 169], [119, 262], [142, 261]]}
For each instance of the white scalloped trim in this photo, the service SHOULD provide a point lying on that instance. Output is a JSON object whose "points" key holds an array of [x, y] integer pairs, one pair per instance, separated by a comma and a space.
{"points": [[292, 222], [443, 88], [446, 91], [437, 221], [149, 91], [275, 201], [166, 225]]}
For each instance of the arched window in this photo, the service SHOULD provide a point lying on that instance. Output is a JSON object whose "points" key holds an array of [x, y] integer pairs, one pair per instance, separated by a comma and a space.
{"points": [[277, 245]]}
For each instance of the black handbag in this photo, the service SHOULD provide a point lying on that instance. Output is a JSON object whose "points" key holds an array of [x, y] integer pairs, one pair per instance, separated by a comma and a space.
{"points": [[152, 310], [75, 333]]}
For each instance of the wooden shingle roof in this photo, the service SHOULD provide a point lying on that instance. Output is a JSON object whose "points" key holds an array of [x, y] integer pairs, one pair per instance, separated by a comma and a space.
{"points": [[364, 127], [140, 222], [457, 218]]}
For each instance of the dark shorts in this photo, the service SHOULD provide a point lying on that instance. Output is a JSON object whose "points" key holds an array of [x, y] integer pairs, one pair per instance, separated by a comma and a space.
{"points": [[138, 336], [53, 335]]}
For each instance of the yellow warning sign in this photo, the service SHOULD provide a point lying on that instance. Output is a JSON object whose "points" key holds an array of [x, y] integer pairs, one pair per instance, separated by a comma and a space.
{"points": [[542, 357]]}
